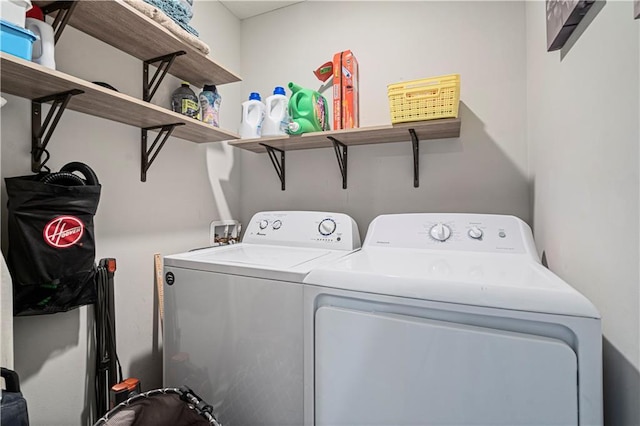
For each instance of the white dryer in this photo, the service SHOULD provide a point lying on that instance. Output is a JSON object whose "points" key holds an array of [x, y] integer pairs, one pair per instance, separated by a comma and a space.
{"points": [[449, 319], [233, 315]]}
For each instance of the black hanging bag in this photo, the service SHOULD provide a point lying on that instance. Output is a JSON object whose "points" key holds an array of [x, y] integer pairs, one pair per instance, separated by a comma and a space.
{"points": [[51, 240]]}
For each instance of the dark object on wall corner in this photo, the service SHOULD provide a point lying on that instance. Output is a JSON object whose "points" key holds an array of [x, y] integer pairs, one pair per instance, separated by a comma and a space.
{"points": [[636, 9], [51, 239], [106, 85], [563, 16], [13, 406]]}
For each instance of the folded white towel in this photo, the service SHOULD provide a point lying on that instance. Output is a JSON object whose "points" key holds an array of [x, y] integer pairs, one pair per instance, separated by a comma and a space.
{"points": [[160, 17]]}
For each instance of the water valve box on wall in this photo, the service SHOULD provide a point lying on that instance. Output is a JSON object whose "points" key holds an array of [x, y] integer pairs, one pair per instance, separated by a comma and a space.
{"points": [[346, 113]]}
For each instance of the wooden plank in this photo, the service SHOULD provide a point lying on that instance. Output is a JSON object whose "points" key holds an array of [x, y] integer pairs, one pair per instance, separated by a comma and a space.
{"points": [[157, 263], [432, 129], [123, 27], [29, 80]]}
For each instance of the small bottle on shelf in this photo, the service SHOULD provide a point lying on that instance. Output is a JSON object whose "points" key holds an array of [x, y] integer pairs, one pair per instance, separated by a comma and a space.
{"points": [[210, 101], [185, 101]]}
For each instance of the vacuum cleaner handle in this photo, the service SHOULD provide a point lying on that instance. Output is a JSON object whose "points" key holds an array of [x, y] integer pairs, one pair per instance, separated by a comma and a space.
{"points": [[89, 175]]}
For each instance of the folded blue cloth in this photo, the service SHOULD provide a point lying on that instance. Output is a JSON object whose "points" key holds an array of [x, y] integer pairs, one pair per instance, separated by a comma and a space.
{"points": [[180, 12]]}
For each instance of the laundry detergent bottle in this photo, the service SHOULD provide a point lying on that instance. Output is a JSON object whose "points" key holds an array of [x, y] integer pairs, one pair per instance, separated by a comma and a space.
{"points": [[185, 101], [276, 119], [308, 111], [252, 117], [210, 101]]}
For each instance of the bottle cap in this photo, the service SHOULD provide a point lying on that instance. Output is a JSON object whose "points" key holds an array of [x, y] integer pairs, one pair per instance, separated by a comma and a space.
{"points": [[254, 96], [279, 91], [210, 88], [36, 13], [185, 84]]}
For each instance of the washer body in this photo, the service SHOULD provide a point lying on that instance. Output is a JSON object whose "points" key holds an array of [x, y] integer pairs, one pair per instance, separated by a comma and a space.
{"points": [[233, 315], [448, 319]]}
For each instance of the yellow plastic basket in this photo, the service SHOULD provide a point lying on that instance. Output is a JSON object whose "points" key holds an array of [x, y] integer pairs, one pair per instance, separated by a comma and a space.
{"points": [[425, 99]]}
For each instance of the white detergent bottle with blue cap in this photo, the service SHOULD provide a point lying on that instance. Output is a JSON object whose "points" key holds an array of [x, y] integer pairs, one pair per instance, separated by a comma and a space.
{"points": [[252, 117], [276, 119]]}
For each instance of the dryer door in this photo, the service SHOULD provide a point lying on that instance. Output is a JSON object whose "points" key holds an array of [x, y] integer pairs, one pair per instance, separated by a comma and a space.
{"points": [[383, 369]]}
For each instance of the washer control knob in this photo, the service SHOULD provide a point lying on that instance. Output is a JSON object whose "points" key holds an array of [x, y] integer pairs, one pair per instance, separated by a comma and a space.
{"points": [[277, 224], [263, 223], [327, 227], [475, 233], [440, 232]]}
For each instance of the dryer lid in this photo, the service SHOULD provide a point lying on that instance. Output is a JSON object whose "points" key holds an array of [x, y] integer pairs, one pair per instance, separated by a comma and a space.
{"points": [[504, 281]]}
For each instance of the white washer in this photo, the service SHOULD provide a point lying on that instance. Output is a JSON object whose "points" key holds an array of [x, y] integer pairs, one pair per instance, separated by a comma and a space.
{"points": [[233, 315], [449, 319]]}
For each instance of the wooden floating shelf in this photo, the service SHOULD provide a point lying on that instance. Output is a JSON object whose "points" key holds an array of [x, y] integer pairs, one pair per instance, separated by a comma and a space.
{"points": [[432, 129], [340, 140], [123, 27], [29, 80]]}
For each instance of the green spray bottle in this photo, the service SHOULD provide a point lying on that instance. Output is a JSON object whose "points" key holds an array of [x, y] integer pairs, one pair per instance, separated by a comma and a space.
{"points": [[308, 111]]}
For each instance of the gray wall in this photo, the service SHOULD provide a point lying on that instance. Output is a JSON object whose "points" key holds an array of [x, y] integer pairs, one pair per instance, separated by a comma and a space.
{"points": [[583, 121], [188, 186], [482, 171]]}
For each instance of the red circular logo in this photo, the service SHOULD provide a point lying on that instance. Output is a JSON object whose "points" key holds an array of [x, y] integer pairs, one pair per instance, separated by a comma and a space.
{"points": [[63, 231]]}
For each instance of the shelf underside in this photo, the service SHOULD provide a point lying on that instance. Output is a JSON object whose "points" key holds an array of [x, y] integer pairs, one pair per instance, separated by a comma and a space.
{"points": [[432, 129], [28, 80]]}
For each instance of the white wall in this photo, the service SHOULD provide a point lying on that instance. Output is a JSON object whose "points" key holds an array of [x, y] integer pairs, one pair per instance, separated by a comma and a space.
{"points": [[483, 171], [187, 186], [583, 121]]}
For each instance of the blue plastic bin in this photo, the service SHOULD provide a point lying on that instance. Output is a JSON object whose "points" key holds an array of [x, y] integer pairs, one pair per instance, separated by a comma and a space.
{"points": [[16, 40]]}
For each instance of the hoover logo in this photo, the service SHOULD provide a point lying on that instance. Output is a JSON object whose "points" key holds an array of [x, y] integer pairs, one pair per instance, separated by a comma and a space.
{"points": [[63, 231]]}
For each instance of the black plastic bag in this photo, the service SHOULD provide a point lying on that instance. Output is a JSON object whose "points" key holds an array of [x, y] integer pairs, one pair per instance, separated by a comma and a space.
{"points": [[51, 245]]}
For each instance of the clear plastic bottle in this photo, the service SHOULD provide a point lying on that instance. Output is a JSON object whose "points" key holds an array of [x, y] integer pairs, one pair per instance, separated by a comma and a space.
{"points": [[185, 101], [210, 101], [276, 119], [252, 117]]}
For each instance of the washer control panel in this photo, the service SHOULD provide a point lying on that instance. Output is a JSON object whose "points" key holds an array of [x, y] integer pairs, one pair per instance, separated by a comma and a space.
{"points": [[303, 229], [439, 231]]}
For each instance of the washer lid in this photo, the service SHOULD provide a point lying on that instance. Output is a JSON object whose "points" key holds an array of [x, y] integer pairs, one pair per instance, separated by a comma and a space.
{"points": [[506, 281], [256, 260], [253, 255]]}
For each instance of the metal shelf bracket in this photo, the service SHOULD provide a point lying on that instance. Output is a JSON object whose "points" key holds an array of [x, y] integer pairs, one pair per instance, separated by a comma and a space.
{"points": [[149, 87], [65, 10], [41, 132], [416, 158], [278, 165], [341, 151], [150, 154]]}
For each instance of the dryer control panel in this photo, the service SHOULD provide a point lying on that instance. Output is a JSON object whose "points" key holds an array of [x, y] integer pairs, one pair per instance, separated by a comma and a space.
{"points": [[335, 231], [463, 232]]}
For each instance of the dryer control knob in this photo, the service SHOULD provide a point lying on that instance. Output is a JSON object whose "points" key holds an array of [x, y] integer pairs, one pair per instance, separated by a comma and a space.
{"points": [[277, 224], [327, 227], [475, 233], [440, 232], [263, 223]]}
